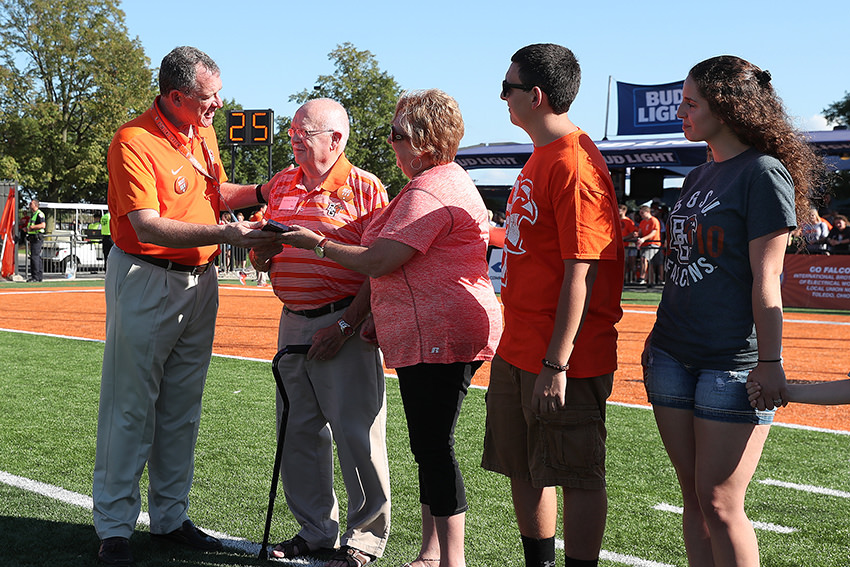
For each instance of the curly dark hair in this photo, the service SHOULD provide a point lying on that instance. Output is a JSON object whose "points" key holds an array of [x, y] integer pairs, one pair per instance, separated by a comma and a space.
{"points": [[741, 95]]}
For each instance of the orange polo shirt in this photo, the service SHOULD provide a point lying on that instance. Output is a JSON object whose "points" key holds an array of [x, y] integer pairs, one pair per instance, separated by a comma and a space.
{"points": [[146, 172], [341, 209]]}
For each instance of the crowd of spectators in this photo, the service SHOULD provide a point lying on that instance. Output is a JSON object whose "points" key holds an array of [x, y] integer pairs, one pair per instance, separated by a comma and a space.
{"points": [[826, 232]]}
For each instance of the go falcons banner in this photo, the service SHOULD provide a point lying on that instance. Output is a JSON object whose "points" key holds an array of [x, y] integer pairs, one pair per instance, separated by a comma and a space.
{"points": [[648, 109]]}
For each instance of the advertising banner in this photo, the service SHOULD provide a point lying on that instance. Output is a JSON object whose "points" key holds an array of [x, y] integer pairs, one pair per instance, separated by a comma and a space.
{"points": [[648, 109], [815, 281]]}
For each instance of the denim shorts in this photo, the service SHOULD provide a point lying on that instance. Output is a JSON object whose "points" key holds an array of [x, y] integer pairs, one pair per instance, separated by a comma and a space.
{"points": [[719, 395]]}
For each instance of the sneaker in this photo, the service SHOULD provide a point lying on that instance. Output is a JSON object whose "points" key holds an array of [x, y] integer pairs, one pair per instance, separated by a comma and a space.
{"points": [[115, 551]]}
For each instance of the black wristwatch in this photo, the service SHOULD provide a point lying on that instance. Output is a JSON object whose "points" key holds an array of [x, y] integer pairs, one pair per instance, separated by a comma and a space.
{"points": [[344, 328]]}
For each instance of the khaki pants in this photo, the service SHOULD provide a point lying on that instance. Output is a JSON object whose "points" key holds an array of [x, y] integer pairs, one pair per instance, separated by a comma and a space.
{"points": [[159, 333], [342, 400]]}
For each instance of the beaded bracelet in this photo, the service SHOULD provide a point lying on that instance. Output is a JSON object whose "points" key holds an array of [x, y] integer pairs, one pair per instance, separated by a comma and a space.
{"points": [[554, 366]]}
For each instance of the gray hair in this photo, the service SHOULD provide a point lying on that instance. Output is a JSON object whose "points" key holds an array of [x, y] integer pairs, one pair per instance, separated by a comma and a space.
{"points": [[178, 70]]}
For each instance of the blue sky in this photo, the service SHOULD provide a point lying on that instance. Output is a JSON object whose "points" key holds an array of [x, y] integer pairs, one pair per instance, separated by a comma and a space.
{"points": [[270, 49]]}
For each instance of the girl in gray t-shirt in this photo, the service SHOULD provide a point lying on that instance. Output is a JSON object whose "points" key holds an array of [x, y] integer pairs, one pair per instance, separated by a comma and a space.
{"points": [[719, 323]]}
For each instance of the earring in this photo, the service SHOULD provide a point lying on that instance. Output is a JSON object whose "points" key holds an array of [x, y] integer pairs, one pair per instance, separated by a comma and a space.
{"points": [[413, 162]]}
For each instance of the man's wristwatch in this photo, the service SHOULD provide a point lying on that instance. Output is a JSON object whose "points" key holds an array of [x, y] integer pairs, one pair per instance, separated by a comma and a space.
{"points": [[344, 328], [320, 248]]}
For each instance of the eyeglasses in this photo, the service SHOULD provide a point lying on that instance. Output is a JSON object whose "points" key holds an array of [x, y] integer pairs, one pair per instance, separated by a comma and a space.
{"points": [[395, 135], [506, 88], [304, 134]]}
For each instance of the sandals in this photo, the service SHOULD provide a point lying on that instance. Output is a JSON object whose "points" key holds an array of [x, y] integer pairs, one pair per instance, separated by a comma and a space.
{"points": [[295, 547], [350, 557]]}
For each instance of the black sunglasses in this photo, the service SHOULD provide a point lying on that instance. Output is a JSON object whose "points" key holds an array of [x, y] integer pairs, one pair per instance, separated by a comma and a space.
{"points": [[395, 135], [506, 88]]}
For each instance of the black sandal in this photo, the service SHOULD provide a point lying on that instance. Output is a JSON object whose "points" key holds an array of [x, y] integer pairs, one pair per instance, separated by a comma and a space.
{"points": [[295, 547]]}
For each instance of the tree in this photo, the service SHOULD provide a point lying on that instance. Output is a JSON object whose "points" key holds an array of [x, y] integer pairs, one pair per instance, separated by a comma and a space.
{"points": [[70, 76], [838, 113], [369, 95]]}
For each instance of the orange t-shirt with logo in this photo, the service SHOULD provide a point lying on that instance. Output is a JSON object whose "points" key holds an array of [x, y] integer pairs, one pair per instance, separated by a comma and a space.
{"points": [[146, 172], [562, 207]]}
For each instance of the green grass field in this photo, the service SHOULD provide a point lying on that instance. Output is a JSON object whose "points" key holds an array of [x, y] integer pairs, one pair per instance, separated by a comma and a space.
{"points": [[49, 391]]}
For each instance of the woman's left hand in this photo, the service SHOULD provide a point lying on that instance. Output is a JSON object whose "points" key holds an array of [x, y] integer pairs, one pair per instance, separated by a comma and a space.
{"points": [[300, 237], [771, 377]]}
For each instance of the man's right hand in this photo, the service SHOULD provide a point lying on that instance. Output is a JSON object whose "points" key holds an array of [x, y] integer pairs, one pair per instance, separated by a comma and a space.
{"points": [[247, 234]]}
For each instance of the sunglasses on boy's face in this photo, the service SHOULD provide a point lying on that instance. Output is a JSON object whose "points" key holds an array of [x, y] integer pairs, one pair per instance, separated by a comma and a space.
{"points": [[507, 87]]}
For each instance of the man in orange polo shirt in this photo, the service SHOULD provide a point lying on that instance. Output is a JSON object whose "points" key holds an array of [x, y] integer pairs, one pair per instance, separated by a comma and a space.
{"points": [[166, 186], [337, 393], [561, 284]]}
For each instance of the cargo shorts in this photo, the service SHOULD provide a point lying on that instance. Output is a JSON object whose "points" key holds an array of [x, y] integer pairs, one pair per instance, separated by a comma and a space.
{"points": [[565, 448]]}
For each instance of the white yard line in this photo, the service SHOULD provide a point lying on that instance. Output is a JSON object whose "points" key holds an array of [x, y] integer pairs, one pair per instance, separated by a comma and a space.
{"points": [[806, 488], [765, 526], [83, 501], [235, 543]]}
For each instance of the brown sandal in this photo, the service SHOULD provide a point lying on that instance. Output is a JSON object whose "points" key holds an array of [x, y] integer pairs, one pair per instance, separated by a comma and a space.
{"points": [[351, 557]]}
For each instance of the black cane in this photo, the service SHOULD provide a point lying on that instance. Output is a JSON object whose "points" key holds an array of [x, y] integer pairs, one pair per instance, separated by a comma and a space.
{"points": [[278, 456]]}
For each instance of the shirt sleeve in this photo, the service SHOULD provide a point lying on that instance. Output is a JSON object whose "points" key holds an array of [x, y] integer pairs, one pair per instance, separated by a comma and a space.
{"points": [[133, 177], [417, 220], [771, 203]]}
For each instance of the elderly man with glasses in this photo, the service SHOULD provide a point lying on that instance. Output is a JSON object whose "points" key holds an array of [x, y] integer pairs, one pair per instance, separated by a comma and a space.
{"points": [[337, 392]]}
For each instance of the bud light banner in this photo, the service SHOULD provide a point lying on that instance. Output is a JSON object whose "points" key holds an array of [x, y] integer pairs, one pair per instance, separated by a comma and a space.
{"points": [[648, 109]]}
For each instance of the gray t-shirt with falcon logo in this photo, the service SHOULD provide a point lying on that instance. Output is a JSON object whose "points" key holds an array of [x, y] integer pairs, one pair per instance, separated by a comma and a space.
{"points": [[705, 317]]}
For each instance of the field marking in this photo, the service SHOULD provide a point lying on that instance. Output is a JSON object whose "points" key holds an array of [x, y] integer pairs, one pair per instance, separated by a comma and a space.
{"points": [[235, 543], [806, 488], [50, 291], [85, 502], [764, 526], [785, 319]]}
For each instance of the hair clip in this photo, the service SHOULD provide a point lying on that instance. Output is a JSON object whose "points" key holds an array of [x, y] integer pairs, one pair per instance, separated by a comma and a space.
{"points": [[763, 77]]}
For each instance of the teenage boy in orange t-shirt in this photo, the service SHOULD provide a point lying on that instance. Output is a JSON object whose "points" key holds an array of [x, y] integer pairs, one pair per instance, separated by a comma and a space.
{"points": [[561, 287]]}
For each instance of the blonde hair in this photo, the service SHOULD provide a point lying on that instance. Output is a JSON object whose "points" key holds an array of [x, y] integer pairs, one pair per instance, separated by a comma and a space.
{"points": [[432, 121]]}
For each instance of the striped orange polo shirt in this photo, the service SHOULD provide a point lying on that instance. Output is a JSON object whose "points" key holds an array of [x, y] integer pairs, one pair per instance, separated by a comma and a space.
{"points": [[341, 209]]}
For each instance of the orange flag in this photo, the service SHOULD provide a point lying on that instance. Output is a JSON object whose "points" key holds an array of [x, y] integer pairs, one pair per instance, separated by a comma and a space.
{"points": [[7, 236]]}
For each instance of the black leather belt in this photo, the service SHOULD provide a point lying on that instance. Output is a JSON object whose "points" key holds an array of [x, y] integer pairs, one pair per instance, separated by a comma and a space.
{"points": [[323, 310], [169, 265]]}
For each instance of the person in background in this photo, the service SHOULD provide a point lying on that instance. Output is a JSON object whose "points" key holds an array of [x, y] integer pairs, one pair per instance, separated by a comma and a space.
{"points": [[562, 282], [648, 242], [727, 237], [258, 216], [337, 392], [36, 226], [815, 232], [838, 238], [106, 236], [425, 259], [166, 188], [630, 235]]}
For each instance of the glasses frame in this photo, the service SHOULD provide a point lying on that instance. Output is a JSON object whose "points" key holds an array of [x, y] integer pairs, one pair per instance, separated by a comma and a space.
{"points": [[508, 87], [304, 134]]}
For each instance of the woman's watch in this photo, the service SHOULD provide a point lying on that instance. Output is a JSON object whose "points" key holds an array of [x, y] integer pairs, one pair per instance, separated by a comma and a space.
{"points": [[320, 248], [344, 328]]}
